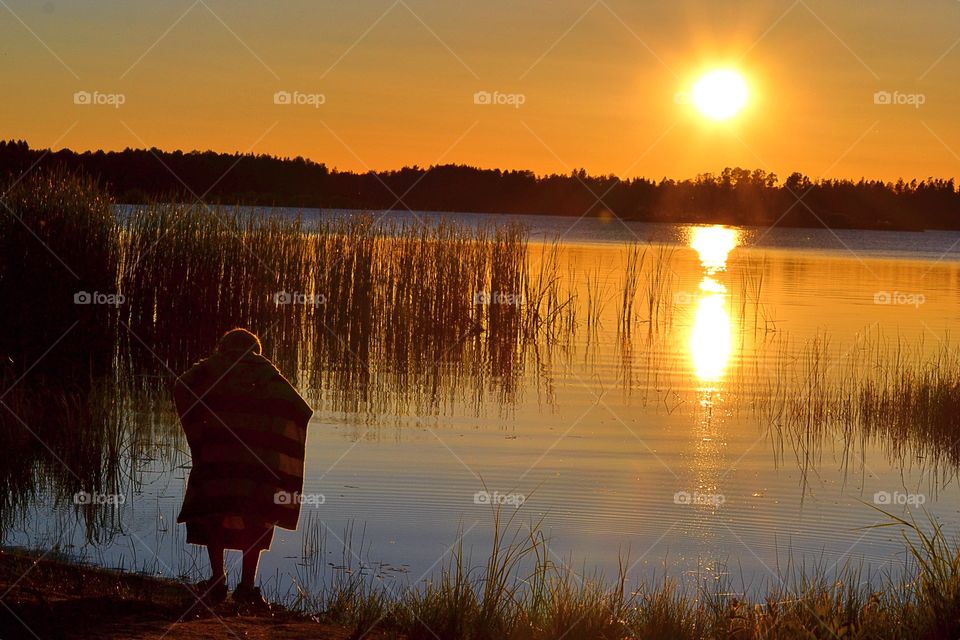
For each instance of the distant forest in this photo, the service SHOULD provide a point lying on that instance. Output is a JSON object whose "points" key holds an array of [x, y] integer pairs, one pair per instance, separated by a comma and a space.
{"points": [[733, 196]]}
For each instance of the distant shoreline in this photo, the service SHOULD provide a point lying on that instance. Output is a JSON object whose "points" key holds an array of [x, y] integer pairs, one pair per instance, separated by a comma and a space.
{"points": [[879, 244], [735, 196], [569, 218]]}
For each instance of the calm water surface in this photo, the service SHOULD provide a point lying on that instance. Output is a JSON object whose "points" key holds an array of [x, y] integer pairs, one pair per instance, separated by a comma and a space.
{"points": [[650, 446]]}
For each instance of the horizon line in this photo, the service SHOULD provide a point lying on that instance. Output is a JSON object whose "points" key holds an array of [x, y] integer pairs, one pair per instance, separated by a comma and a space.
{"points": [[779, 182]]}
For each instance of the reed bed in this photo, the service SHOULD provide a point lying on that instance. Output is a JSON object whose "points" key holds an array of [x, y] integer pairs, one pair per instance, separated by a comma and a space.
{"points": [[369, 318], [523, 591], [635, 257], [913, 399], [652, 278], [596, 302], [551, 304], [375, 315], [349, 286], [903, 399], [752, 274], [659, 289], [57, 240], [338, 303]]}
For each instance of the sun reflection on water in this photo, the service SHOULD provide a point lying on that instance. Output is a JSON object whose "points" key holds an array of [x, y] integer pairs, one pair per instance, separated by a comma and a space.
{"points": [[710, 345], [713, 245], [711, 338]]}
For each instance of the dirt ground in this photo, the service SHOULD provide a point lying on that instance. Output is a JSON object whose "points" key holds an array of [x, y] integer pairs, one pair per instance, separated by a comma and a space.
{"points": [[43, 598]]}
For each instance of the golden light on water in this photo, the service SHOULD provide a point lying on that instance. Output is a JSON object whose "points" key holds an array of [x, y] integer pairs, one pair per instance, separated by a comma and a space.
{"points": [[713, 245], [711, 345], [711, 338], [710, 285]]}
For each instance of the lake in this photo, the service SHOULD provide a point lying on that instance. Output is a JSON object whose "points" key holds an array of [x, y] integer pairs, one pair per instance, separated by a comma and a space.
{"points": [[692, 436]]}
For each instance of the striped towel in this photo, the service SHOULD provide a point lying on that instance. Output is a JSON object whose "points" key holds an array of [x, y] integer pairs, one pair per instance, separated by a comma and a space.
{"points": [[247, 434]]}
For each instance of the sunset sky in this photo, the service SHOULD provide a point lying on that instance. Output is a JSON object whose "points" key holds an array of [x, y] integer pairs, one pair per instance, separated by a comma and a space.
{"points": [[602, 83]]}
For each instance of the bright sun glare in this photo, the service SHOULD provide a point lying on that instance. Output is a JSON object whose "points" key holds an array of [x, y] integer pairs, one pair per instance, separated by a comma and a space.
{"points": [[713, 244], [720, 94], [711, 338]]}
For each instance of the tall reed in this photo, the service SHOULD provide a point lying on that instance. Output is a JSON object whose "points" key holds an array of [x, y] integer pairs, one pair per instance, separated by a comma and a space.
{"points": [[524, 591]]}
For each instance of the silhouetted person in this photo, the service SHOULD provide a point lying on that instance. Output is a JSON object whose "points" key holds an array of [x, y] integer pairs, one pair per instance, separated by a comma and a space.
{"points": [[246, 427]]}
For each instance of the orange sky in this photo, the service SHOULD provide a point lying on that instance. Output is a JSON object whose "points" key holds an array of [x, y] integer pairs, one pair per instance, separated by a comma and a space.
{"points": [[598, 80]]}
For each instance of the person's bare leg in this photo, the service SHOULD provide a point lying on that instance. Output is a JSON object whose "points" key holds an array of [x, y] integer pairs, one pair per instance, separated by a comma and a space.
{"points": [[251, 560], [216, 562]]}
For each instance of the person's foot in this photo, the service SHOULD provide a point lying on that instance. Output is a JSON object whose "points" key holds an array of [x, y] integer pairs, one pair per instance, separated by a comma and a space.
{"points": [[250, 597], [212, 591]]}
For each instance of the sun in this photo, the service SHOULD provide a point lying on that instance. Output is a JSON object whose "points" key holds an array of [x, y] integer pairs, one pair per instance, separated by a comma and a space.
{"points": [[720, 94]]}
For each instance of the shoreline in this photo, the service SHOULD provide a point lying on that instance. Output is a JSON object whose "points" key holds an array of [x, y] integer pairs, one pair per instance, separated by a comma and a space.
{"points": [[45, 595], [735, 195]]}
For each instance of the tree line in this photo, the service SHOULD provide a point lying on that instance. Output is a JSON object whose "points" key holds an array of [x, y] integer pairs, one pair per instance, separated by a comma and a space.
{"points": [[733, 196]]}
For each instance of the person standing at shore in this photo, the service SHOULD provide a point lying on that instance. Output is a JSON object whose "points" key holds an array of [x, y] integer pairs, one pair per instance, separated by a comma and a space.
{"points": [[246, 427]]}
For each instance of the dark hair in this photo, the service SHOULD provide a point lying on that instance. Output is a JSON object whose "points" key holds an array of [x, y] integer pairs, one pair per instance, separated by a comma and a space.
{"points": [[239, 340]]}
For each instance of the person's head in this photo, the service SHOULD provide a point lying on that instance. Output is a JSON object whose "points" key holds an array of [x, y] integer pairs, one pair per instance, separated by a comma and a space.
{"points": [[239, 341]]}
